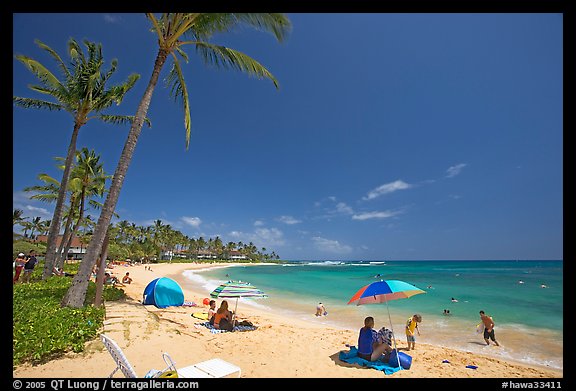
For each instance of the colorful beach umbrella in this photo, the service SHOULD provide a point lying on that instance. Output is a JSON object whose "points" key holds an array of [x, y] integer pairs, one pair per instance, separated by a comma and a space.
{"points": [[236, 290], [382, 292]]}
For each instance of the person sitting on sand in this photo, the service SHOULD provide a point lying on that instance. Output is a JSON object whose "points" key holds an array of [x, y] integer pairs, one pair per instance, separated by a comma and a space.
{"points": [[60, 272], [370, 346], [212, 311], [111, 280], [223, 317], [127, 279]]}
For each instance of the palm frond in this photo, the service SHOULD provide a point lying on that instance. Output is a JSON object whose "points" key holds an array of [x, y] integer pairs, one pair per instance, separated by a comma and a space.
{"points": [[180, 91], [157, 28], [221, 56], [28, 103], [209, 23], [98, 205], [75, 51], [49, 197], [40, 71], [182, 53], [55, 55], [275, 23], [121, 119], [49, 180]]}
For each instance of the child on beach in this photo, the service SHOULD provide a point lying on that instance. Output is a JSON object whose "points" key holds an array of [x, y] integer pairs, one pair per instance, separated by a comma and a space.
{"points": [[212, 311], [411, 325], [320, 310]]}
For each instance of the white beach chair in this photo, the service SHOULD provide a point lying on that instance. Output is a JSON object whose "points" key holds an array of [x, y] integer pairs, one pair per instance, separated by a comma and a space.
{"points": [[206, 369]]}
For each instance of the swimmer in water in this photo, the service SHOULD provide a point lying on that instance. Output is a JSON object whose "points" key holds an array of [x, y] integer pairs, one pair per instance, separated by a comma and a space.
{"points": [[454, 300]]}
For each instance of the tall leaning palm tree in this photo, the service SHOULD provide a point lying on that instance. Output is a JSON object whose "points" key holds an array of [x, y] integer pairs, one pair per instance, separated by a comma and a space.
{"points": [[174, 31], [81, 92]]}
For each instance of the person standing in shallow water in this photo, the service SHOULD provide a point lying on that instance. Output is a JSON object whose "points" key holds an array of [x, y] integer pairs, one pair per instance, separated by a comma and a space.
{"points": [[488, 328]]}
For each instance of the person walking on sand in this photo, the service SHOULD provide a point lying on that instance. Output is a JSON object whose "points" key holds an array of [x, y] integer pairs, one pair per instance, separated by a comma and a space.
{"points": [[411, 325], [488, 328]]}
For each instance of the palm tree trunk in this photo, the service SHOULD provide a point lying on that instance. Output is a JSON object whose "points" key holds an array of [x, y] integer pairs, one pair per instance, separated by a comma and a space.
{"points": [[74, 230], [76, 294], [58, 261], [98, 301], [59, 208]]}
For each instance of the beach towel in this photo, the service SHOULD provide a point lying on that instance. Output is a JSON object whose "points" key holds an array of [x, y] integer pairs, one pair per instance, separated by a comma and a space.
{"points": [[351, 357], [200, 315], [236, 328]]}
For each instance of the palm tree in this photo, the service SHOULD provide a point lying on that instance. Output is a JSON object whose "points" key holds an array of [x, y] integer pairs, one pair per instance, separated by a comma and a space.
{"points": [[174, 30], [81, 93], [36, 225], [17, 217], [88, 181]]}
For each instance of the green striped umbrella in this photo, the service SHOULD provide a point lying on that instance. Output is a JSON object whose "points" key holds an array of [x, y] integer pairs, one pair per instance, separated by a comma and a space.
{"points": [[236, 290]]}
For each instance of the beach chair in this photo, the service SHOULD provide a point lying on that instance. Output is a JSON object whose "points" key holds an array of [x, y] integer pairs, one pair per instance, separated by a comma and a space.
{"points": [[214, 368]]}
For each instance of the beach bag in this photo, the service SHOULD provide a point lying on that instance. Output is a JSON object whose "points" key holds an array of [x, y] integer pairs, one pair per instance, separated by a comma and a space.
{"points": [[169, 372]]}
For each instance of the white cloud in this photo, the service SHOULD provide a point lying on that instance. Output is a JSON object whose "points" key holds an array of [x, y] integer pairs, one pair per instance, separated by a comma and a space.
{"points": [[331, 246], [331, 210], [288, 220], [261, 237], [43, 212], [374, 215], [386, 189], [192, 221], [341, 207], [258, 223], [21, 200], [455, 170], [109, 18]]}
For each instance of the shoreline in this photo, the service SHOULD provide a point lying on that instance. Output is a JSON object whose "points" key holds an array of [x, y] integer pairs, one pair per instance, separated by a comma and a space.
{"points": [[275, 349]]}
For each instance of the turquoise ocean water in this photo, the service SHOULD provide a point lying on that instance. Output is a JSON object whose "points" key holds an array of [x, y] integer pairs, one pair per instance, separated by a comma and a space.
{"points": [[528, 317]]}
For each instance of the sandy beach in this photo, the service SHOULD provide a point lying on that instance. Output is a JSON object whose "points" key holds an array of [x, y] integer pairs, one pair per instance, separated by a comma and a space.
{"points": [[280, 347]]}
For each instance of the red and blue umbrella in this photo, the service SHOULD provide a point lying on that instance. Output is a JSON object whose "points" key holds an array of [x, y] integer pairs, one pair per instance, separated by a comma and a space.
{"points": [[382, 292]]}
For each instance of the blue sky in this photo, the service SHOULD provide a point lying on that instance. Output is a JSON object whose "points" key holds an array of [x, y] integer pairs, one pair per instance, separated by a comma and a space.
{"points": [[392, 136]]}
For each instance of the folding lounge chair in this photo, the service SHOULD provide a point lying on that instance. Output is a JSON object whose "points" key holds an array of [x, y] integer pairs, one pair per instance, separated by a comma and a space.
{"points": [[206, 369]]}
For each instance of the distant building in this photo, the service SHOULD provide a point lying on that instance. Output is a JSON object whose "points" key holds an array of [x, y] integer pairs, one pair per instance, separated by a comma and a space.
{"points": [[77, 248], [236, 255]]}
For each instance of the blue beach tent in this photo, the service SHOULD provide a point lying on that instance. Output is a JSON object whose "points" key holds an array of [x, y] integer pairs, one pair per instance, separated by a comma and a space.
{"points": [[163, 292]]}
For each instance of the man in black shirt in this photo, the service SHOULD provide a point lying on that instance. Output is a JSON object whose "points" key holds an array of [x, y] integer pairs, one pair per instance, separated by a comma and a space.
{"points": [[29, 266]]}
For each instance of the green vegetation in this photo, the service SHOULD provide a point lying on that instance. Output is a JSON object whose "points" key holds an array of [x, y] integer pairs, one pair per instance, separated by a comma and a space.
{"points": [[42, 329]]}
